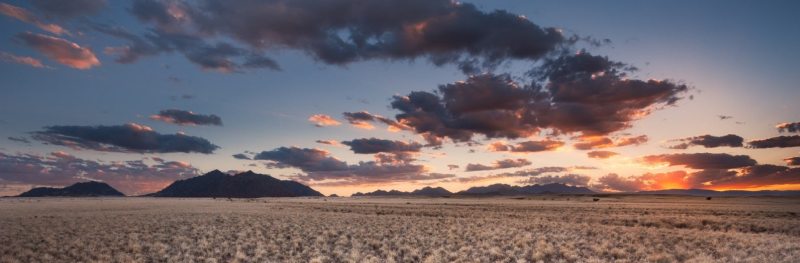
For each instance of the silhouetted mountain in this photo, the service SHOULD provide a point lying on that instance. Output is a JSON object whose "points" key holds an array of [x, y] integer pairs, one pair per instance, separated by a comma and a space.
{"points": [[84, 189], [427, 191], [243, 185], [705, 192], [504, 189]]}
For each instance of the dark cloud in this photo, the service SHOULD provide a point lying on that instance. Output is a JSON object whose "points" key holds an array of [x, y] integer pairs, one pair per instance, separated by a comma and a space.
{"points": [[341, 32], [709, 141], [776, 142], [241, 156], [757, 175], [374, 145], [584, 94], [318, 166], [69, 9], [794, 161], [702, 160], [601, 154], [452, 166], [788, 127], [363, 119], [123, 138], [329, 142], [60, 50], [526, 146], [61, 169], [499, 164], [724, 117], [568, 179], [19, 139], [182, 117], [220, 56]]}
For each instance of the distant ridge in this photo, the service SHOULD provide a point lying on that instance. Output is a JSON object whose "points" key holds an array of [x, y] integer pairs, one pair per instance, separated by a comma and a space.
{"points": [[705, 192], [426, 191], [83, 189], [243, 185], [504, 189]]}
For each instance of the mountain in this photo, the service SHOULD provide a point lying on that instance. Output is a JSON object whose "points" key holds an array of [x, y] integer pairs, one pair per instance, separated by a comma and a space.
{"points": [[705, 192], [243, 185], [427, 191], [504, 189], [84, 189]]}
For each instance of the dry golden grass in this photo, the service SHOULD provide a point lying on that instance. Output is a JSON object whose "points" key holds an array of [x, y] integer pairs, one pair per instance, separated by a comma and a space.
{"points": [[537, 229]]}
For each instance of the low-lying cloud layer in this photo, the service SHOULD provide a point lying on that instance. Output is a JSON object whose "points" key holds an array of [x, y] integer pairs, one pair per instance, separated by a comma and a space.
{"points": [[132, 137], [182, 117], [374, 145], [499, 164]]}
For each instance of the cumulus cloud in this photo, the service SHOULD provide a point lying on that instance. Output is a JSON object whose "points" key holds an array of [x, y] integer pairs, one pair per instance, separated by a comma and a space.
{"points": [[526, 146], [21, 60], [364, 119], [60, 50], [342, 32], [568, 179], [701, 160], [61, 169], [788, 127], [322, 120], [584, 94], [23, 15], [69, 9], [499, 164], [374, 145], [319, 167], [709, 141], [182, 117], [601, 154], [123, 138], [776, 142]]}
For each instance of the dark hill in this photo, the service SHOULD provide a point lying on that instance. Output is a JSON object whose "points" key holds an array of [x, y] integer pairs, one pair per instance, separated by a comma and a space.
{"points": [[243, 185], [427, 191], [504, 189], [84, 189]]}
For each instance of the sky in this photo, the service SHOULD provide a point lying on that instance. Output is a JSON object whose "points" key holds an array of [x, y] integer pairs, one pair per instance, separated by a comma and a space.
{"points": [[355, 96]]}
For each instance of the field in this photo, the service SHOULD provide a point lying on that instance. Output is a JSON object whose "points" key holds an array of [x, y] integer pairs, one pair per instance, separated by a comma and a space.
{"points": [[534, 229]]}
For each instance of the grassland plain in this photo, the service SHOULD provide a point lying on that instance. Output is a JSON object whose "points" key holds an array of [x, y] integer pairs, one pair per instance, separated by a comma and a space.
{"points": [[532, 229]]}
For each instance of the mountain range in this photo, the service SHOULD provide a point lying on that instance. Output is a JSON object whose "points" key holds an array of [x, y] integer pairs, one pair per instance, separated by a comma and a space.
{"points": [[242, 185], [427, 191], [83, 189]]}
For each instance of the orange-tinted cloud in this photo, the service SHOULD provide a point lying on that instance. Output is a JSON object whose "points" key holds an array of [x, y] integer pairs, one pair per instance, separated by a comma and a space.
{"points": [[25, 16], [61, 50], [323, 120], [601, 154], [526, 146], [21, 60]]}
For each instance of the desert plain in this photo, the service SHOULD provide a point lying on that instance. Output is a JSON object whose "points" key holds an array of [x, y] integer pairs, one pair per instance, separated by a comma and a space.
{"points": [[616, 228]]}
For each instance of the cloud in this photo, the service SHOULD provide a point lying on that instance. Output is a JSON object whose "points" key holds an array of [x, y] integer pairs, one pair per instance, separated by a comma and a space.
{"points": [[342, 32], [709, 141], [23, 15], [322, 120], [776, 142], [701, 160], [757, 175], [788, 127], [329, 142], [584, 94], [568, 179], [452, 166], [362, 120], [374, 145], [601, 154], [19, 139], [69, 9], [794, 161], [526, 146], [522, 173], [123, 138], [724, 117], [21, 60], [182, 117], [594, 142], [241, 156], [499, 164], [61, 169], [319, 167], [60, 50]]}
